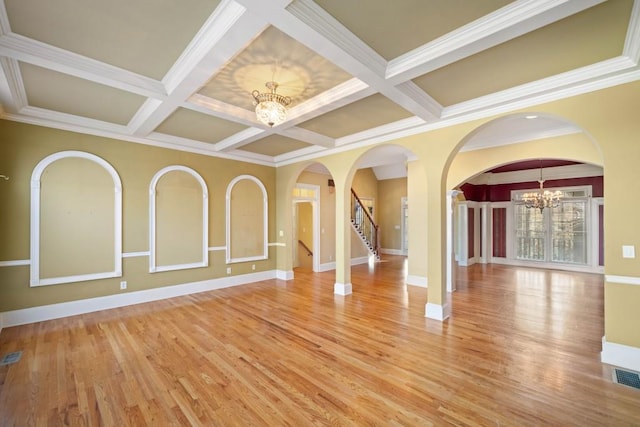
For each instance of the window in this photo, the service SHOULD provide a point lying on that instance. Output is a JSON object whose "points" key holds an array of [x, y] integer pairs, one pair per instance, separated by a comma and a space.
{"points": [[556, 235]]}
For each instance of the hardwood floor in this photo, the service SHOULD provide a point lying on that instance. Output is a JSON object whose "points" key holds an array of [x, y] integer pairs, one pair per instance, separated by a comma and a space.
{"points": [[521, 348]]}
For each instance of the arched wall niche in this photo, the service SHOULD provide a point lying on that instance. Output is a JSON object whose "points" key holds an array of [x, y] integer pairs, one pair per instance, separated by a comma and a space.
{"points": [[76, 219], [246, 220], [178, 220]]}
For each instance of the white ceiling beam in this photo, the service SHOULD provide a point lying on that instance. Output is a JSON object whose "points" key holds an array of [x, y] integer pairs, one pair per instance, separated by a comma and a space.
{"points": [[241, 138], [309, 24], [226, 31], [12, 94], [213, 107], [507, 23], [43, 55], [308, 136]]}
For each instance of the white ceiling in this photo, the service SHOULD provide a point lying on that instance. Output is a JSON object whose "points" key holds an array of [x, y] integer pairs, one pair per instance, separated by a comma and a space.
{"points": [[158, 72]]}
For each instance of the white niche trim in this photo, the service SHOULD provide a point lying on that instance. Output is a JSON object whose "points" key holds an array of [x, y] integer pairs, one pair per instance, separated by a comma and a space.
{"points": [[265, 218], [153, 266], [35, 279]]}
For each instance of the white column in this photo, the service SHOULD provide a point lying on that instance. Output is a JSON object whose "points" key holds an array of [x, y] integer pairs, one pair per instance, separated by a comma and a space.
{"points": [[451, 282]]}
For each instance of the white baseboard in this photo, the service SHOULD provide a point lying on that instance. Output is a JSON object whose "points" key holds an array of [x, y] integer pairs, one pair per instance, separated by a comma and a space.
{"points": [[391, 251], [342, 288], [420, 281], [327, 266], [72, 308], [620, 355], [360, 260], [437, 312], [284, 275], [598, 269], [332, 265]]}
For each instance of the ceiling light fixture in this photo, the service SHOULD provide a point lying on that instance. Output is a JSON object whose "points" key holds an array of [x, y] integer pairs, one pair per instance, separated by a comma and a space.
{"points": [[542, 198], [271, 108]]}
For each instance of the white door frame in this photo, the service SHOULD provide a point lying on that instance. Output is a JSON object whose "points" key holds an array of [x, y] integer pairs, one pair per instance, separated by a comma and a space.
{"points": [[315, 208]]}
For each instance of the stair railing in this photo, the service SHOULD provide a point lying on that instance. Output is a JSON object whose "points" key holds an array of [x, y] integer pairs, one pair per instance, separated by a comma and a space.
{"points": [[364, 223], [309, 253]]}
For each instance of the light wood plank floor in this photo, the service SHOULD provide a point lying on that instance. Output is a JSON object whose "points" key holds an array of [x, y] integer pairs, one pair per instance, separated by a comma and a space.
{"points": [[521, 349]]}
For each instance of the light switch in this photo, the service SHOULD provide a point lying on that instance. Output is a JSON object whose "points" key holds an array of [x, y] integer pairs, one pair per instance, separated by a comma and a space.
{"points": [[628, 251], [281, 233]]}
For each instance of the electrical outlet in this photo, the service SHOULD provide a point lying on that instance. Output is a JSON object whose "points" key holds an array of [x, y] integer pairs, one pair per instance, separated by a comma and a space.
{"points": [[628, 251], [123, 284], [228, 270], [253, 266]]}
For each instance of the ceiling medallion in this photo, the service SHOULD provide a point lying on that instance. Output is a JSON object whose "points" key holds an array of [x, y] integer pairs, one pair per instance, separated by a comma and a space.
{"points": [[271, 108]]}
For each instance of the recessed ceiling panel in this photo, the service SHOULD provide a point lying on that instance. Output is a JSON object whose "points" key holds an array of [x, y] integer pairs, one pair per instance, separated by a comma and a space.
{"points": [[274, 145], [393, 28], [143, 36], [67, 94], [273, 56], [200, 127], [375, 110], [588, 37]]}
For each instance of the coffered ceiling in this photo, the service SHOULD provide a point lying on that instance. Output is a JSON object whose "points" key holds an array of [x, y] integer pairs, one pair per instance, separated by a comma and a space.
{"points": [[180, 74]]}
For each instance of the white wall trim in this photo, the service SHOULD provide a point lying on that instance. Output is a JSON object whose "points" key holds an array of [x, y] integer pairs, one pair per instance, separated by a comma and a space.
{"points": [[284, 275], [72, 308], [217, 248], [135, 254], [414, 280], [15, 263], [620, 355], [265, 218], [623, 280], [204, 262], [35, 214], [342, 288], [548, 265], [360, 260], [327, 266], [282, 244], [437, 312], [387, 251]]}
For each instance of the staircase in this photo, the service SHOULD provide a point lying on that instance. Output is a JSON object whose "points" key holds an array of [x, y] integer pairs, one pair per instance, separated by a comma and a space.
{"points": [[363, 224]]}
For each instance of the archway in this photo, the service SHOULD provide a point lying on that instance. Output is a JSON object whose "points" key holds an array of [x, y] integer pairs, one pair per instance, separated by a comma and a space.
{"points": [[522, 141], [379, 183]]}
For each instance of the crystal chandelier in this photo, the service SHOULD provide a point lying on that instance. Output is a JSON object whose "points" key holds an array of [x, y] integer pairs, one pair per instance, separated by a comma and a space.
{"points": [[271, 108], [542, 198]]}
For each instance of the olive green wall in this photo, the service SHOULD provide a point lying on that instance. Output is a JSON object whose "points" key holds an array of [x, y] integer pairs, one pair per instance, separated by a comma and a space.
{"points": [[23, 146]]}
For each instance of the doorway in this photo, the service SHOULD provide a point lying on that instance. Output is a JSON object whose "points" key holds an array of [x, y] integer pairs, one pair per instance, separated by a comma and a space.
{"points": [[306, 227]]}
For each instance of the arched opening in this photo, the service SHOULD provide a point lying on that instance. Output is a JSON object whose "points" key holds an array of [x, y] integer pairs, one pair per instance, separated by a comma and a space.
{"points": [[313, 223], [379, 182], [486, 178]]}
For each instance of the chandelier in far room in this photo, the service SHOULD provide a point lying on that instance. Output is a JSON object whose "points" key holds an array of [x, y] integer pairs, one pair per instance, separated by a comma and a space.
{"points": [[271, 108], [542, 198]]}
